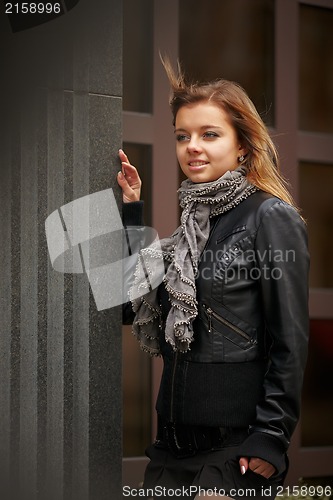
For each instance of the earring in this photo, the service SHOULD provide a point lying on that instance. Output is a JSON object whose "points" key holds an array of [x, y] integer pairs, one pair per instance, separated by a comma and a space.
{"points": [[241, 158]]}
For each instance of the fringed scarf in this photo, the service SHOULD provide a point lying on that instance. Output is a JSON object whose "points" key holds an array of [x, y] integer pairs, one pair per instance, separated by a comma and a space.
{"points": [[181, 253]]}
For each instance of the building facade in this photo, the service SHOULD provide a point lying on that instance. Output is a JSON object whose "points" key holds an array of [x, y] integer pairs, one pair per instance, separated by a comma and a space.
{"points": [[280, 51]]}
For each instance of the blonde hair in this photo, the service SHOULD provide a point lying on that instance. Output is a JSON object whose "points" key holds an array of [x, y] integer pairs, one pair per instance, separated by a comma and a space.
{"points": [[261, 158]]}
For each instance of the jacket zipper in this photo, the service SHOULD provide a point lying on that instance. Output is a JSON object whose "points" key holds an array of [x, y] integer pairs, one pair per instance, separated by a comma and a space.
{"points": [[209, 237], [212, 314]]}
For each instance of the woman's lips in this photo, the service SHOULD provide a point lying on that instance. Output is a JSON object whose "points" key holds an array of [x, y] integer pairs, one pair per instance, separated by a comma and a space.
{"points": [[196, 165]]}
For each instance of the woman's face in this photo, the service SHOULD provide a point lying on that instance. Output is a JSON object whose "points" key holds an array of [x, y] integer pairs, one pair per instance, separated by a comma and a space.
{"points": [[207, 143]]}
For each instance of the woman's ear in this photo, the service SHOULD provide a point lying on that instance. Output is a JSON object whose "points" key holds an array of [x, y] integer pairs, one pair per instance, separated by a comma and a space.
{"points": [[242, 150]]}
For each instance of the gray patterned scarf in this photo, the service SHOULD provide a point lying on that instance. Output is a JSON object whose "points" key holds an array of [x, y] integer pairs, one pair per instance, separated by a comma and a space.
{"points": [[181, 253]]}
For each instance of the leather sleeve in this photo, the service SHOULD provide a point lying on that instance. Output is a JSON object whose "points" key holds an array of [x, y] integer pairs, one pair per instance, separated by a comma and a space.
{"points": [[283, 263], [132, 216], [133, 213]]}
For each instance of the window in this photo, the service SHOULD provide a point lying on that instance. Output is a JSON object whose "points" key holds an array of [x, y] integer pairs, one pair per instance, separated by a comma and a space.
{"points": [[232, 40], [316, 181], [316, 69], [317, 401], [138, 55]]}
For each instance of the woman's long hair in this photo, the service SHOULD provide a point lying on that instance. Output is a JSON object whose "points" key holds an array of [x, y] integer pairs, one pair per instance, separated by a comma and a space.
{"points": [[261, 158]]}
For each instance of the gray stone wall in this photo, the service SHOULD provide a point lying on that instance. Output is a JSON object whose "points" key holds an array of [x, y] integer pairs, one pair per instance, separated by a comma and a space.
{"points": [[60, 358]]}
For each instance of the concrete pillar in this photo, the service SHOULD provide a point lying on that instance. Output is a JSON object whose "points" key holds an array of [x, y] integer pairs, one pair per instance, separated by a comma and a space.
{"points": [[60, 358]]}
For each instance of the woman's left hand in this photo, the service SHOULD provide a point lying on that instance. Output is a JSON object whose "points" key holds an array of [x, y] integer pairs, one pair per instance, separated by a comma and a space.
{"points": [[258, 466]]}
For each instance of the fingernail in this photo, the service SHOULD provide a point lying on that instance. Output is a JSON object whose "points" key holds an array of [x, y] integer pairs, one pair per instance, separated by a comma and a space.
{"points": [[120, 174], [243, 470], [121, 151]]}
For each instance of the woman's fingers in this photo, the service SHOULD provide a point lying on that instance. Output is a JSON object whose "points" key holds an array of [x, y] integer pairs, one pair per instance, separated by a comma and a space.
{"points": [[243, 464], [257, 465], [262, 467], [123, 157], [128, 179], [128, 192]]}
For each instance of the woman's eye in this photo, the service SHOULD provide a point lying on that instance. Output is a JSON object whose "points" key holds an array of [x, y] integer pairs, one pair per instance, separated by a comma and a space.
{"points": [[210, 135], [181, 137]]}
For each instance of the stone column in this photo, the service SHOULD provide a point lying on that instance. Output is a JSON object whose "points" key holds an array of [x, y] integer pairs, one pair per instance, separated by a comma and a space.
{"points": [[60, 358]]}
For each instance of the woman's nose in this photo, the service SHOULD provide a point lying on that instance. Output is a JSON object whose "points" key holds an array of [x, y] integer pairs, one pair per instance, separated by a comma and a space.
{"points": [[193, 145]]}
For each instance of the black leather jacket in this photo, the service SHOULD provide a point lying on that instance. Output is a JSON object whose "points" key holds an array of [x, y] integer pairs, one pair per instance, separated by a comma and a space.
{"points": [[246, 363]]}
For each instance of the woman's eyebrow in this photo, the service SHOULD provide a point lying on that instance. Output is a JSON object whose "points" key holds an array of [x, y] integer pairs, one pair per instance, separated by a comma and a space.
{"points": [[204, 127]]}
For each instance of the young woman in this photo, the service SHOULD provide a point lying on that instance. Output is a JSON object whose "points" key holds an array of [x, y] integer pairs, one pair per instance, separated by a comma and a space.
{"points": [[230, 318]]}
